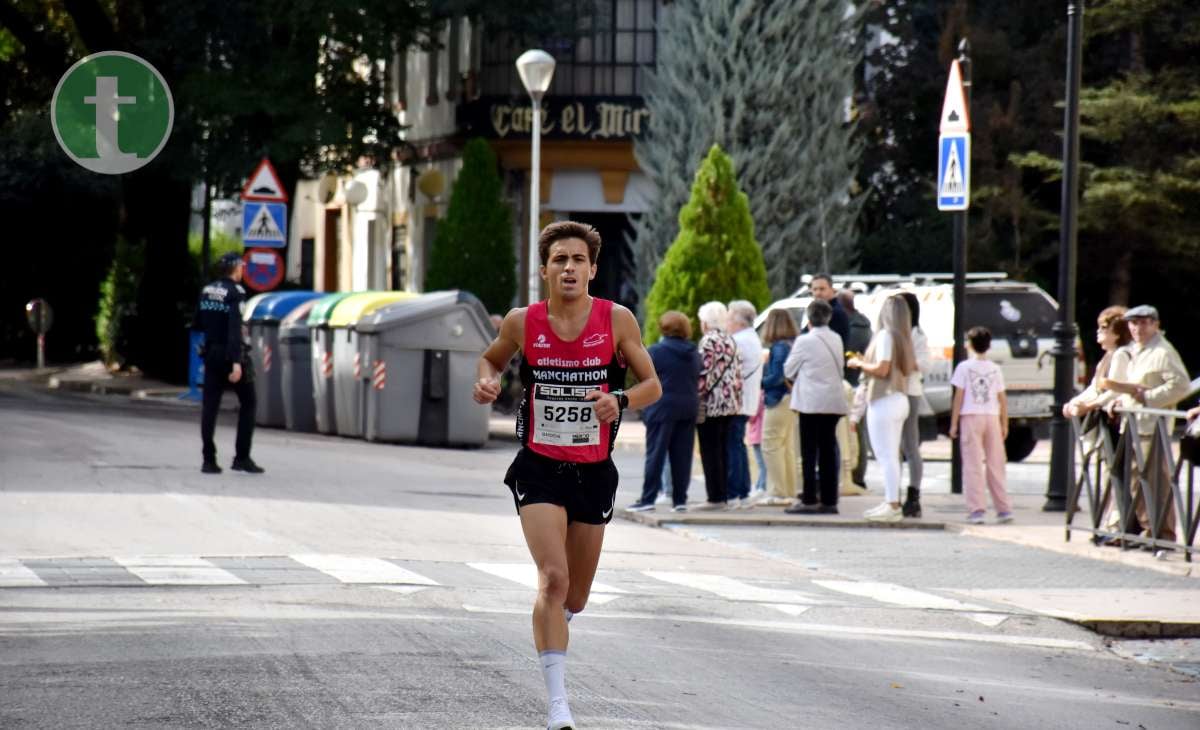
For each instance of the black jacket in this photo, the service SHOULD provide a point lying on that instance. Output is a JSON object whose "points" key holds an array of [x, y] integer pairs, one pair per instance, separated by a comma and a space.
{"points": [[677, 362], [219, 317]]}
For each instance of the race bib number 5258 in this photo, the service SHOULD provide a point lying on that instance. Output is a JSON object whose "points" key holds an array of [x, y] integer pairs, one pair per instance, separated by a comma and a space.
{"points": [[561, 416]]}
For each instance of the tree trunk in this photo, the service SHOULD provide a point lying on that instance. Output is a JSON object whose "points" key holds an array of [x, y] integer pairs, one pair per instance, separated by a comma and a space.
{"points": [[1122, 277]]}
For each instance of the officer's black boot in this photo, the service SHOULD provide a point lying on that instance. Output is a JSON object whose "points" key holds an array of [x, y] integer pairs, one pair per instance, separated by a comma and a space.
{"points": [[210, 467], [247, 465], [912, 504]]}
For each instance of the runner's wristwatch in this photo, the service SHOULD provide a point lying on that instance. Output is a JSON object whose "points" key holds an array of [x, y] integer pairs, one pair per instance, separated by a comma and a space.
{"points": [[622, 399]]}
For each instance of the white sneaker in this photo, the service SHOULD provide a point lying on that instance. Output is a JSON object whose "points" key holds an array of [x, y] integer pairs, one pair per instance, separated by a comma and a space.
{"points": [[663, 499], [883, 513], [711, 507], [743, 503], [560, 716]]}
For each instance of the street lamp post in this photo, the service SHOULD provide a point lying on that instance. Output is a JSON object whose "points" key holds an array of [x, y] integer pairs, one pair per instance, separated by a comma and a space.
{"points": [[1062, 470], [536, 69]]}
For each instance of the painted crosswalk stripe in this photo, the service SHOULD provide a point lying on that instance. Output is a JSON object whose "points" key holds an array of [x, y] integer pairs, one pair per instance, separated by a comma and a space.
{"points": [[351, 569], [177, 570], [734, 590], [526, 574], [15, 575], [909, 598]]}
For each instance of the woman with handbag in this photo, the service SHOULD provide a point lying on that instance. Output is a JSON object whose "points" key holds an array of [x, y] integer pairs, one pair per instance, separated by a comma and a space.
{"points": [[888, 362], [720, 399], [815, 363]]}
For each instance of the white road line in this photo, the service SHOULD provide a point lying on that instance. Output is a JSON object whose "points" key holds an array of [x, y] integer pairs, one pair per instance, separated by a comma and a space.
{"points": [[353, 569], [734, 590], [526, 574], [177, 570], [15, 575], [910, 598], [789, 609], [865, 633], [402, 589]]}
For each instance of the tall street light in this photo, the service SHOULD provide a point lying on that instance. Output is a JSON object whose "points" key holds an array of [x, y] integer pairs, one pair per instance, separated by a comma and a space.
{"points": [[536, 69], [1062, 470]]}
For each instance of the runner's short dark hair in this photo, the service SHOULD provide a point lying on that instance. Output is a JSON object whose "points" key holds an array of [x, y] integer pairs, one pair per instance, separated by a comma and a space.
{"points": [[980, 339], [568, 229]]}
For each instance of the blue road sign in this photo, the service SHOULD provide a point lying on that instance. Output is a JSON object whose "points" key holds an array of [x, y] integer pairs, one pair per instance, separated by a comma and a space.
{"points": [[264, 225], [954, 172]]}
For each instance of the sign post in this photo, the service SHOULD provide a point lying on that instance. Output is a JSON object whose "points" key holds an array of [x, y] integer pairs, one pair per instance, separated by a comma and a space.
{"points": [[954, 194]]}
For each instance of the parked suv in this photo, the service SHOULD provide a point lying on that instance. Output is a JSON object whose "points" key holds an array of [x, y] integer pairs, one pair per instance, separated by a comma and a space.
{"points": [[1021, 317]]}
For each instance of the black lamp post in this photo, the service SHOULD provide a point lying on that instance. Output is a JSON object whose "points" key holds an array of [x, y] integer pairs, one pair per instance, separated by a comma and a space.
{"points": [[1061, 462], [960, 271]]}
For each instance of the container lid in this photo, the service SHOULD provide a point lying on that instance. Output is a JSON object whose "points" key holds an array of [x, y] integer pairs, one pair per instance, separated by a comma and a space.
{"points": [[277, 305], [251, 305], [299, 315], [350, 310], [319, 316], [429, 306]]}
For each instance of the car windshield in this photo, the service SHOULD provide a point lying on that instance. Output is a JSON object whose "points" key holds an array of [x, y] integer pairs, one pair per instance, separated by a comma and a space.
{"points": [[1007, 313]]}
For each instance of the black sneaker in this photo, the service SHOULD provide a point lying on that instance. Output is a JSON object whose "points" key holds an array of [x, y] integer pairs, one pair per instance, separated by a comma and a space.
{"points": [[247, 465], [210, 467], [799, 508]]}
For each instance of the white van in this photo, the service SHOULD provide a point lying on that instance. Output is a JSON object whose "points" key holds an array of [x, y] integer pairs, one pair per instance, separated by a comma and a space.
{"points": [[1021, 318]]}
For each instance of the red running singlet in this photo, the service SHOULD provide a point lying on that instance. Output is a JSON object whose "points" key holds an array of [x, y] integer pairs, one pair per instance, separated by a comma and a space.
{"points": [[554, 420]]}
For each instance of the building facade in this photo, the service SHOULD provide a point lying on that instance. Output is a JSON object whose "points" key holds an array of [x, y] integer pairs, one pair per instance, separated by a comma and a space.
{"points": [[374, 229]]}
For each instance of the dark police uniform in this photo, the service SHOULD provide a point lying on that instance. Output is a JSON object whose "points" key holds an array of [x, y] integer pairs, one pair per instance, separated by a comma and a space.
{"points": [[219, 317]]}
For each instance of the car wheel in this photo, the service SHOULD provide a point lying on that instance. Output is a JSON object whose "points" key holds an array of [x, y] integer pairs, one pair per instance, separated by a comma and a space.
{"points": [[1020, 443]]}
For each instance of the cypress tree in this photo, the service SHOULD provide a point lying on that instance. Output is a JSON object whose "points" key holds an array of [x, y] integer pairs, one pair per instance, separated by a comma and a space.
{"points": [[715, 256], [473, 248]]}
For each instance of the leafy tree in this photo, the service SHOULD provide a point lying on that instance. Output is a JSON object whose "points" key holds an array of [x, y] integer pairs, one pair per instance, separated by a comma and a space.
{"points": [[769, 82], [715, 256], [473, 247], [305, 83]]}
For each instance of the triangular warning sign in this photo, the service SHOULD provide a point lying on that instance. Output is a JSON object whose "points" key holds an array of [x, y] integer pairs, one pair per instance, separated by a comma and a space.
{"points": [[263, 227], [953, 182], [955, 117], [264, 184]]}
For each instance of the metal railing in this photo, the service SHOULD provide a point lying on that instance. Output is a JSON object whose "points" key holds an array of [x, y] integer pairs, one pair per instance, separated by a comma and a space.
{"points": [[1121, 473]]}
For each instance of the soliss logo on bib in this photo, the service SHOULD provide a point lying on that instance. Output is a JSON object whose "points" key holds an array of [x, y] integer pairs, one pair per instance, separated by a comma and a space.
{"points": [[562, 417]]}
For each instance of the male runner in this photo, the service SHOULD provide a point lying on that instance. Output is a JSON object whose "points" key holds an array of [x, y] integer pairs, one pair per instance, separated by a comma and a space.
{"points": [[575, 349]]}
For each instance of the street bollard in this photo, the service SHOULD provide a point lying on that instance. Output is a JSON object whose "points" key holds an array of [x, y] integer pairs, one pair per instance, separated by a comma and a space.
{"points": [[40, 316]]}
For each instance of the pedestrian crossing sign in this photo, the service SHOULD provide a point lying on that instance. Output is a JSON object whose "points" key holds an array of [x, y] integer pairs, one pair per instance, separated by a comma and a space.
{"points": [[264, 225], [954, 172]]}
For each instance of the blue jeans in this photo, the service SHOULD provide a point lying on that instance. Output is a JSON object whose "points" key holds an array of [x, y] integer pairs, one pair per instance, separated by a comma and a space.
{"points": [[761, 483], [738, 469]]}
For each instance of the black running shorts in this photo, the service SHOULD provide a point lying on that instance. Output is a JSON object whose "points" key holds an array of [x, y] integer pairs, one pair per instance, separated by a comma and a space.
{"points": [[587, 491]]}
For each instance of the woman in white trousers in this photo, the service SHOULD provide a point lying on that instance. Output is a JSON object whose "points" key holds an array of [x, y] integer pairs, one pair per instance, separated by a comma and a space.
{"points": [[887, 364]]}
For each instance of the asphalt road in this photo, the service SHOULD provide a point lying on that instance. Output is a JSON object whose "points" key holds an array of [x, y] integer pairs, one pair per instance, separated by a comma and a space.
{"points": [[358, 585]]}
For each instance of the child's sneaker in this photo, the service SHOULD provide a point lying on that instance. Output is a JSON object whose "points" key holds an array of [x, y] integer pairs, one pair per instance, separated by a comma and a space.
{"points": [[975, 518], [1003, 518]]}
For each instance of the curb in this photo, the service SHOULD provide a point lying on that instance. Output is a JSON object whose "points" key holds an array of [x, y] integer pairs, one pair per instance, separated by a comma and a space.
{"points": [[765, 520], [1138, 628]]}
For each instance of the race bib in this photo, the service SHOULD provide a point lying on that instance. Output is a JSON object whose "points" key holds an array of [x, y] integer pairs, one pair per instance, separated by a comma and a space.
{"points": [[561, 416]]}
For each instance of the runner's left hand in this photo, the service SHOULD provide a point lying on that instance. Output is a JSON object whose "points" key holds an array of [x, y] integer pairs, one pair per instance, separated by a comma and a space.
{"points": [[607, 408]]}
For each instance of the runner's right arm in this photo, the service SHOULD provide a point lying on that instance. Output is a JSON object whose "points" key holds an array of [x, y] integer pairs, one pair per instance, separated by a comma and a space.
{"points": [[495, 359]]}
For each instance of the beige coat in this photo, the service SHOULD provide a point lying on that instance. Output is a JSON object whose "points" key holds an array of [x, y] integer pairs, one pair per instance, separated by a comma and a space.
{"points": [[815, 366], [1158, 368]]}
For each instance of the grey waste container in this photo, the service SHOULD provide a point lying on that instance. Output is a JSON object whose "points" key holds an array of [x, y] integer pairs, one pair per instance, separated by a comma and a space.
{"points": [[422, 358], [321, 337], [263, 324], [348, 369], [295, 348]]}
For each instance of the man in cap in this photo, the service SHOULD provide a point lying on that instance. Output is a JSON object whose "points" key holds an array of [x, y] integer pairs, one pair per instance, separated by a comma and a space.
{"points": [[1157, 378], [219, 317]]}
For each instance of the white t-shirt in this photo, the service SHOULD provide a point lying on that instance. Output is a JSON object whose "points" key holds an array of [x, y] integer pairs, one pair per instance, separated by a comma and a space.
{"points": [[750, 351], [982, 383]]}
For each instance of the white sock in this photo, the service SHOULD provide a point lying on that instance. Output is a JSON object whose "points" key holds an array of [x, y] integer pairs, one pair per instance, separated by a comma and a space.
{"points": [[554, 671], [568, 613]]}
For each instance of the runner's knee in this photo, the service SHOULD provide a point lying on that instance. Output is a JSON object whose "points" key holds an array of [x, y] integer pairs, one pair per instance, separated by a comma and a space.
{"points": [[555, 581]]}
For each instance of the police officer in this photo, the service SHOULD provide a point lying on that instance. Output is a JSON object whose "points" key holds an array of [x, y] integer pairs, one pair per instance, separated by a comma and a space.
{"points": [[226, 362]]}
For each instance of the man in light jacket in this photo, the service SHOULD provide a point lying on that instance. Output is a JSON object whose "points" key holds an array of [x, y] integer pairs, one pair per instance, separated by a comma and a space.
{"points": [[1156, 378], [815, 365]]}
